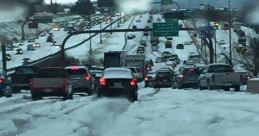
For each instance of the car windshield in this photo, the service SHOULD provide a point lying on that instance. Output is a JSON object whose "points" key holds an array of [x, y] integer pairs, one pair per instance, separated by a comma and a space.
{"points": [[129, 67]]}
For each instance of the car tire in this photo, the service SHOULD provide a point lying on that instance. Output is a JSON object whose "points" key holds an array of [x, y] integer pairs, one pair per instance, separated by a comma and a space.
{"points": [[200, 86], [210, 87], [226, 88], [133, 97], [35, 96], [179, 86], [237, 88]]}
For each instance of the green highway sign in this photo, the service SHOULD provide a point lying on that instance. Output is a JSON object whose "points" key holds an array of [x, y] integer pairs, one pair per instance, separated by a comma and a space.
{"points": [[166, 29]]}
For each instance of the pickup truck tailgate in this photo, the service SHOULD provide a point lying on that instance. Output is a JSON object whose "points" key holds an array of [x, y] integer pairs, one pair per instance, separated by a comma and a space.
{"points": [[47, 82], [225, 78]]}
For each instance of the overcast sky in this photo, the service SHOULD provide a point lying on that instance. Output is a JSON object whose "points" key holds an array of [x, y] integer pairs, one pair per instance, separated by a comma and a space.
{"points": [[63, 1]]}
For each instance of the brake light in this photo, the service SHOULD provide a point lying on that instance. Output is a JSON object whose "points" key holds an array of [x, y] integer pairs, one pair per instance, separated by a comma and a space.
{"points": [[65, 81], [2, 80], [133, 82], [102, 81], [75, 68], [88, 77], [191, 69], [213, 77], [145, 78]]}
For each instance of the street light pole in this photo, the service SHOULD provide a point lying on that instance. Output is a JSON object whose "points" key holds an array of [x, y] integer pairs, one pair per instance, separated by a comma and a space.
{"points": [[229, 25]]}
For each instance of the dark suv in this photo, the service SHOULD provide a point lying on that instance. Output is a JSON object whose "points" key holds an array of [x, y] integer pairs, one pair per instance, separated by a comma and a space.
{"points": [[164, 78], [188, 76], [80, 79]]}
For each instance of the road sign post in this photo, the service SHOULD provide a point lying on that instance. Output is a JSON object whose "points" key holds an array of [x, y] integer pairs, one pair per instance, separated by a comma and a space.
{"points": [[166, 29]]}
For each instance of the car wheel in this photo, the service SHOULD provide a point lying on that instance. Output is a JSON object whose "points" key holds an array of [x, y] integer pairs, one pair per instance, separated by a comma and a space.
{"points": [[35, 96], [226, 88], [133, 98], [200, 86], [210, 87], [179, 86], [237, 88]]}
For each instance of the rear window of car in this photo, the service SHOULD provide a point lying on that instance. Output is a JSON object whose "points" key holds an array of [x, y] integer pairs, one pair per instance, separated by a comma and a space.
{"points": [[190, 71], [133, 70], [163, 74], [117, 74], [52, 73], [219, 69], [76, 72]]}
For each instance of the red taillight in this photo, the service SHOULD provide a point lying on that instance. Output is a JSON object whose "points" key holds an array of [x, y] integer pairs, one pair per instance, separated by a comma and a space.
{"points": [[2, 80], [102, 81], [213, 77], [88, 77], [65, 81], [146, 78], [133, 82]]}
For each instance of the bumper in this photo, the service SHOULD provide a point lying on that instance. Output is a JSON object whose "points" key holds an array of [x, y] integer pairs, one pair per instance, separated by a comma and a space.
{"points": [[163, 84], [109, 91], [49, 92]]}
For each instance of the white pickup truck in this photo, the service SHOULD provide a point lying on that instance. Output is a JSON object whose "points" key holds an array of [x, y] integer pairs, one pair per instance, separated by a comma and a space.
{"points": [[219, 76]]}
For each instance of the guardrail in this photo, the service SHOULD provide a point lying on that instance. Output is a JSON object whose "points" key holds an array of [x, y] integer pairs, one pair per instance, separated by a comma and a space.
{"points": [[10, 70]]}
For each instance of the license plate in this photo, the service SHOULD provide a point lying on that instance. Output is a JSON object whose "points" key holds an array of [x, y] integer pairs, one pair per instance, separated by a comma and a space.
{"points": [[165, 80], [117, 85], [227, 84], [47, 90]]}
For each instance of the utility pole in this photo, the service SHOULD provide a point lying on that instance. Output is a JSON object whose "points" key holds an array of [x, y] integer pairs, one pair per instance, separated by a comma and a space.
{"points": [[229, 25], [215, 44], [3, 56], [101, 41], [90, 40]]}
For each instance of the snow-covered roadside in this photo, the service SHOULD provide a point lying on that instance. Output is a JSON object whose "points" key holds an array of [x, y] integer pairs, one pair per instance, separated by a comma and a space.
{"points": [[164, 112]]}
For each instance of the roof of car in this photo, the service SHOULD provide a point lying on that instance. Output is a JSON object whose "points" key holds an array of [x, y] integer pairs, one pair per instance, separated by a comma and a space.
{"points": [[216, 64]]}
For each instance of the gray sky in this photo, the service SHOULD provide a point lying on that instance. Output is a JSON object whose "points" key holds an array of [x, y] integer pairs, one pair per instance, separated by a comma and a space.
{"points": [[63, 1]]}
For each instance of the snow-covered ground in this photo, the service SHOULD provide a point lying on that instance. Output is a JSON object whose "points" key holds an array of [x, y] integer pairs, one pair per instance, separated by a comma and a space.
{"points": [[158, 112], [164, 112]]}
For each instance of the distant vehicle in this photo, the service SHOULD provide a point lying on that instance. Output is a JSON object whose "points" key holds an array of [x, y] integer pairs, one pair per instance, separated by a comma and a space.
{"points": [[221, 42], [138, 20], [51, 82], [19, 51], [50, 38], [36, 45], [118, 81], [42, 34], [174, 59], [80, 79], [154, 48], [154, 40], [114, 59], [96, 74], [20, 44], [163, 78], [149, 21], [8, 57], [30, 47], [145, 33], [188, 43], [137, 73], [158, 19], [21, 77], [169, 38], [141, 49], [179, 46], [56, 28], [166, 54], [31, 40], [187, 77], [5, 87], [149, 79], [134, 27], [131, 36], [220, 76], [168, 44], [143, 42], [160, 59]]}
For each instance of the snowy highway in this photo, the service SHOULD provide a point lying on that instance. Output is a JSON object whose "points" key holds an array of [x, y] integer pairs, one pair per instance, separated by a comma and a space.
{"points": [[158, 112]]}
